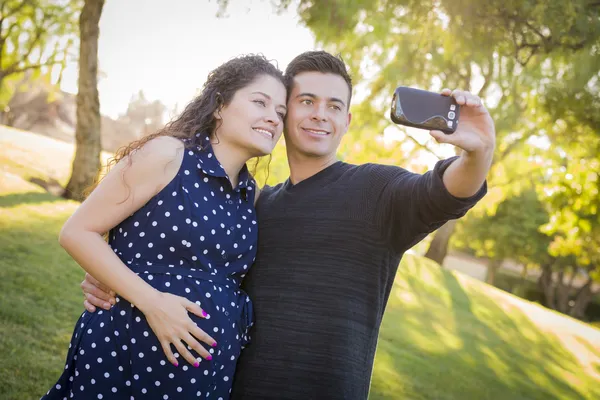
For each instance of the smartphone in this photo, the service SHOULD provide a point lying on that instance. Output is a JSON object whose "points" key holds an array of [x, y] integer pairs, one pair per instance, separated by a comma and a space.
{"points": [[424, 110]]}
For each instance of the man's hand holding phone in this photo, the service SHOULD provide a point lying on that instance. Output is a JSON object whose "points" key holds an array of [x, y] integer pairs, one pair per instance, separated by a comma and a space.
{"points": [[454, 117], [475, 128]]}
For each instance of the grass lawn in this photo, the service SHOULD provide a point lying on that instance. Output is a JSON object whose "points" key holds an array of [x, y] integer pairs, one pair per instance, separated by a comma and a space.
{"points": [[444, 336]]}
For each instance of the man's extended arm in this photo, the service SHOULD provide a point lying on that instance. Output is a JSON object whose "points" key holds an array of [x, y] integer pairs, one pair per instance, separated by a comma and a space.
{"points": [[476, 136]]}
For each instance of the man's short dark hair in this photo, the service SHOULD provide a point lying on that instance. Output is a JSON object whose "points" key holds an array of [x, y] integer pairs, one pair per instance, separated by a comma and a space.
{"points": [[318, 61]]}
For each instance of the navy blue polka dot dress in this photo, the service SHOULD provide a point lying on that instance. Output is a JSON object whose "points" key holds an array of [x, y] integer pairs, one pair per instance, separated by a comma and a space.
{"points": [[197, 239]]}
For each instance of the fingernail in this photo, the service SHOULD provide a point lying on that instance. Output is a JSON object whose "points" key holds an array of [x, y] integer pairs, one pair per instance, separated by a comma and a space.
{"points": [[196, 364], [112, 301], [107, 306], [209, 357], [214, 344], [176, 364], [204, 314]]}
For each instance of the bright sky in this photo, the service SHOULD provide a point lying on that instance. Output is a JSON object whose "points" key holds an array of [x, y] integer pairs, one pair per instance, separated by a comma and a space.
{"points": [[167, 48]]}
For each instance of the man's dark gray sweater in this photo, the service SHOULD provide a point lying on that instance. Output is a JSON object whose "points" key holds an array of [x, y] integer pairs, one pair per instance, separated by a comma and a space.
{"points": [[328, 251]]}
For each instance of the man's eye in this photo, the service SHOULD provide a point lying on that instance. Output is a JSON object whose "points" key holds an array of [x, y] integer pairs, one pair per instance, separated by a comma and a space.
{"points": [[307, 102], [335, 107]]}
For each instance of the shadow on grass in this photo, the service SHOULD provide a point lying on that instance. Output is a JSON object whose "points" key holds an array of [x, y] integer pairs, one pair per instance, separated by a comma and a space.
{"points": [[41, 301], [462, 344], [15, 199], [592, 349]]}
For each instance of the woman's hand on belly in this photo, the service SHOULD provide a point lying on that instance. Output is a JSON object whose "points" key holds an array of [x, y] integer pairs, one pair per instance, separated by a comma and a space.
{"points": [[167, 315]]}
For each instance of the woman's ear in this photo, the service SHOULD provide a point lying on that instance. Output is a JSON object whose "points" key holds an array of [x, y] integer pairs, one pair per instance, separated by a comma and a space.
{"points": [[217, 112]]}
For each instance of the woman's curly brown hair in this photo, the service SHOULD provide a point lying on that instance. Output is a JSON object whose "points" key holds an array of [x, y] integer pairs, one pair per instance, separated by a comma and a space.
{"points": [[218, 91]]}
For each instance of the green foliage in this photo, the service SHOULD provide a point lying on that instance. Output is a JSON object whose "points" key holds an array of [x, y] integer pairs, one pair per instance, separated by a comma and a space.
{"points": [[34, 34], [534, 62], [513, 231]]}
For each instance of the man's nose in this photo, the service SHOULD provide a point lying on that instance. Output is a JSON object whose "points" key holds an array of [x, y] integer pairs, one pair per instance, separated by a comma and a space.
{"points": [[319, 113]]}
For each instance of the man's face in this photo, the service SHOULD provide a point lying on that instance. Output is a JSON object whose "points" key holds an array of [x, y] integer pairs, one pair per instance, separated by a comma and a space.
{"points": [[318, 116]]}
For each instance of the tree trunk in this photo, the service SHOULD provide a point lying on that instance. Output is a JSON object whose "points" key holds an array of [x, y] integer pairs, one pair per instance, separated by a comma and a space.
{"points": [[562, 293], [583, 298], [491, 271], [439, 245], [438, 248], [520, 289], [86, 164], [547, 286]]}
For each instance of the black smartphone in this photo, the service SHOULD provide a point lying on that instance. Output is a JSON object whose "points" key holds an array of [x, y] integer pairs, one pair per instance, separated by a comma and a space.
{"points": [[424, 110]]}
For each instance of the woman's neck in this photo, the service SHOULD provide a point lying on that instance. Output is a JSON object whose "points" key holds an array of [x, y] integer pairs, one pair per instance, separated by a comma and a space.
{"points": [[231, 157]]}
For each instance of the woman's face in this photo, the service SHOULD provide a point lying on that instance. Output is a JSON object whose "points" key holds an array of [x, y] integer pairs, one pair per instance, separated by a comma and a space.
{"points": [[253, 120]]}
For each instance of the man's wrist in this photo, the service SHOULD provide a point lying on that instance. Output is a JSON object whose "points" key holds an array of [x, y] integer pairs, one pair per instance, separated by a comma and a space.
{"points": [[483, 154]]}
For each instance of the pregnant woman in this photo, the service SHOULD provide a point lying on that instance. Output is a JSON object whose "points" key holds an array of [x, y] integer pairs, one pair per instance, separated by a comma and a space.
{"points": [[178, 207]]}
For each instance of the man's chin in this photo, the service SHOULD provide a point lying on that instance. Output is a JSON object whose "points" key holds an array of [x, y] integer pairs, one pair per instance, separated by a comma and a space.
{"points": [[316, 153]]}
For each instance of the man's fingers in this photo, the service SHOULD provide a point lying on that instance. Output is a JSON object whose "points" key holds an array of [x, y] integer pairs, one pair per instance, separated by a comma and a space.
{"points": [[95, 301], [466, 98], [89, 288], [474, 101], [166, 346], [97, 283], [89, 306], [440, 136]]}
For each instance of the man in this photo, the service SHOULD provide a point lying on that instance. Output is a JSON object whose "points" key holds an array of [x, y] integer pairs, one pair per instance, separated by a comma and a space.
{"points": [[331, 238]]}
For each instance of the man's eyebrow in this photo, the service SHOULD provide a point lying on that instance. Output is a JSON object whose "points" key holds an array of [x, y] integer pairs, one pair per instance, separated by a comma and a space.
{"points": [[313, 96], [269, 97]]}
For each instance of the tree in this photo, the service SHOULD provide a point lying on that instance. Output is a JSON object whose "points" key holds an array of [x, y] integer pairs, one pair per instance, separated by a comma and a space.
{"points": [[572, 113], [34, 34], [513, 232], [86, 164], [143, 115]]}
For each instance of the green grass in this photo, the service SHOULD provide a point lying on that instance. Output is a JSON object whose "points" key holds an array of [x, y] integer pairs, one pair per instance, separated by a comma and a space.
{"points": [[444, 336]]}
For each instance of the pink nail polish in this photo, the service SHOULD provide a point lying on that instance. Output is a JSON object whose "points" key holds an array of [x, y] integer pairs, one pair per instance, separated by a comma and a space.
{"points": [[209, 357], [196, 364], [176, 364], [204, 314], [214, 344]]}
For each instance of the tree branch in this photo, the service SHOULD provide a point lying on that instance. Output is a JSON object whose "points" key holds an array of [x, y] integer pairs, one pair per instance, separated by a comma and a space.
{"points": [[13, 68], [423, 146], [573, 275], [487, 77], [33, 66], [17, 9]]}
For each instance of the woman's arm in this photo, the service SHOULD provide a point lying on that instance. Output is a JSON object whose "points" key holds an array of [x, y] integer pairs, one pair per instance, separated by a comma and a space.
{"points": [[125, 189]]}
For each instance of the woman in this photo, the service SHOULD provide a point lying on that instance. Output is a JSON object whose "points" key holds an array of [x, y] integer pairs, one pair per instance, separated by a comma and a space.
{"points": [[179, 209]]}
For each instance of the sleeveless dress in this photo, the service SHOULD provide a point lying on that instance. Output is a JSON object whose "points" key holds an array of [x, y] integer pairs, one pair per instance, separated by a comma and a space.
{"points": [[197, 239]]}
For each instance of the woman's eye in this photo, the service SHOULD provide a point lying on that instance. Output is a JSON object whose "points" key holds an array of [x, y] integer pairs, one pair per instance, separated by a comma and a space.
{"points": [[261, 102], [281, 115]]}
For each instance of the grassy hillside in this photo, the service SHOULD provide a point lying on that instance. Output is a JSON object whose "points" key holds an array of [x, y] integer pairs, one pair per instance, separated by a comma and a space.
{"points": [[445, 336]]}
